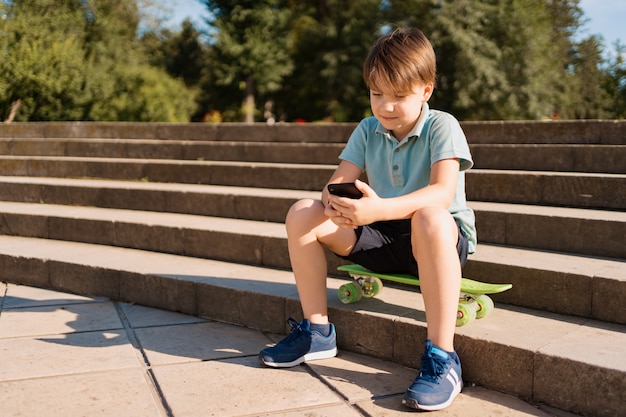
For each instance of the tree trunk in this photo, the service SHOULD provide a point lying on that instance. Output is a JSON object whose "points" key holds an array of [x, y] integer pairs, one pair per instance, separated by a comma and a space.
{"points": [[248, 103], [14, 108]]}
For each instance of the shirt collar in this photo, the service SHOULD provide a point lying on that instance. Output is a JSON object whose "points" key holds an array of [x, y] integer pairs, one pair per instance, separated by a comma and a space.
{"points": [[417, 129]]}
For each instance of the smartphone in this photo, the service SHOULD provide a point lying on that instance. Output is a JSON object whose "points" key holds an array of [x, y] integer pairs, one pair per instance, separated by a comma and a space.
{"points": [[346, 189]]}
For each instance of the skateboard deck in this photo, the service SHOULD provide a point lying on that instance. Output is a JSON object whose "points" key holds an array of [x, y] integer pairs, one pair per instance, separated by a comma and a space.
{"points": [[473, 300]]}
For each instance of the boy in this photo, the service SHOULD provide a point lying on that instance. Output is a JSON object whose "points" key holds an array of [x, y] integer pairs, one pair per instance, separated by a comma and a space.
{"points": [[412, 217]]}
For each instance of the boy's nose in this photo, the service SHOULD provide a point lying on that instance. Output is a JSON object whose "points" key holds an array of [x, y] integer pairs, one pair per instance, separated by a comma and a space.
{"points": [[388, 105]]}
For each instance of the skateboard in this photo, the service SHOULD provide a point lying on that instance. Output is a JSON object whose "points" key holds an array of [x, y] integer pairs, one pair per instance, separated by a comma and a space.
{"points": [[474, 303]]}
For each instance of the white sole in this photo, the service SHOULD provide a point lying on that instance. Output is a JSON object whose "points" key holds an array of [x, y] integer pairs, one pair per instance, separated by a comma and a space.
{"points": [[325, 354]]}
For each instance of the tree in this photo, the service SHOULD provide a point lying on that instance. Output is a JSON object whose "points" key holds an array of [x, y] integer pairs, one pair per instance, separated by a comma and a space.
{"points": [[615, 81], [250, 50], [76, 60], [42, 69], [589, 98], [329, 42], [182, 54]]}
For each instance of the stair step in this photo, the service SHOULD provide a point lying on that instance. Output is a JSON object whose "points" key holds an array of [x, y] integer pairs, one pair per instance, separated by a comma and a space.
{"points": [[528, 157], [606, 191], [257, 132], [263, 204], [578, 285], [508, 131], [564, 158], [587, 287], [585, 190], [582, 231], [277, 152], [597, 232], [546, 367]]}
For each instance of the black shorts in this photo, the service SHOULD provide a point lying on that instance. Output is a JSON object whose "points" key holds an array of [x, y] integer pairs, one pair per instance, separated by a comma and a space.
{"points": [[385, 247]]}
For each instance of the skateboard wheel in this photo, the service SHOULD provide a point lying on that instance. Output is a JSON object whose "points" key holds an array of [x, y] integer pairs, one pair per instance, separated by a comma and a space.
{"points": [[466, 313], [485, 306], [349, 293], [371, 286]]}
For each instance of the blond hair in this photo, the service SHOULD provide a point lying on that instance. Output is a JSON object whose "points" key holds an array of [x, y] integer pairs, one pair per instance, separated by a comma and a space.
{"points": [[400, 61]]}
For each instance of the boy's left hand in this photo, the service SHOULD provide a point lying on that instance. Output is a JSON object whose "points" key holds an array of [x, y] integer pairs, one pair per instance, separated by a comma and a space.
{"points": [[359, 212]]}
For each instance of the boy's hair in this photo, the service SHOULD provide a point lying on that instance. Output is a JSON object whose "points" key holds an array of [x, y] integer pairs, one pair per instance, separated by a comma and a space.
{"points": [[400, 61]]}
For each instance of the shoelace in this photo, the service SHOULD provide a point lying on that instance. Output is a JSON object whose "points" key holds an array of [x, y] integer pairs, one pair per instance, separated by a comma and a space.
{"points": [[296, 329], [431, 369]]}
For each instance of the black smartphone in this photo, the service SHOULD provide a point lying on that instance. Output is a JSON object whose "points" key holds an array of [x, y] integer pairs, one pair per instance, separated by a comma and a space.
{"points": [[346, 189]]}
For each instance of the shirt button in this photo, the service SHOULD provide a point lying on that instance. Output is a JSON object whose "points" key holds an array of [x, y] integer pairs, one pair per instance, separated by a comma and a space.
{"points": [[395, 167]]}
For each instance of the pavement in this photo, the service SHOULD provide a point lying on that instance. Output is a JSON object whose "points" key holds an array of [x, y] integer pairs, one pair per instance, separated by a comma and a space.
{"points": [[67, 355]]}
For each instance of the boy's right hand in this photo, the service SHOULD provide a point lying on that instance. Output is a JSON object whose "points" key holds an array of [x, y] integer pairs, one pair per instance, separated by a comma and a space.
{"points": [[336, 217]]}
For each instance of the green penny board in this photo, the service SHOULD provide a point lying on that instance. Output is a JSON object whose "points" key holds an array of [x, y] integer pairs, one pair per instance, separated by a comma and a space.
{"points": [[468, 286]]}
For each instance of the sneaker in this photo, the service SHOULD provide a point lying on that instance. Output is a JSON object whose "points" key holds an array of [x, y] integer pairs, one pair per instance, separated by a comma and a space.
{"points": [[301, 345], [438, 383]]}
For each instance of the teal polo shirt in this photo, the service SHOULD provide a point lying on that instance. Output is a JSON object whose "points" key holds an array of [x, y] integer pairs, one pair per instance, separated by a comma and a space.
{"points": [[396, 168]]}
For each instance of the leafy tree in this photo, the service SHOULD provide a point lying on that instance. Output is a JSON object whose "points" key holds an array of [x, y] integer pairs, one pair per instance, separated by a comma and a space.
{"points": [[589, 99], [145, 94], [250, 50], [330, 41], [76, 60], [615, 81], [42, 68], [183, 55]]}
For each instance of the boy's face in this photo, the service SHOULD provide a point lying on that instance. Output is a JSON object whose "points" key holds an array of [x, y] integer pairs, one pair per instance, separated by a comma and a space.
{"points": [[398, 112]]}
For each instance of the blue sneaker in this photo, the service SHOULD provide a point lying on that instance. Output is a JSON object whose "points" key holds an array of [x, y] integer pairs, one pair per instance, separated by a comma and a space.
{"points": [[438, 383], [301, 345]]}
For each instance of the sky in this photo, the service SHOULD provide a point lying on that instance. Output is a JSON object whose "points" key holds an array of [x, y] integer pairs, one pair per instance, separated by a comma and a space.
{"points": [[606, 17]]}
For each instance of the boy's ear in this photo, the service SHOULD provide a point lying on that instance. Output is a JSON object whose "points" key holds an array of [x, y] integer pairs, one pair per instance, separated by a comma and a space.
{"points": [[428, 91]]}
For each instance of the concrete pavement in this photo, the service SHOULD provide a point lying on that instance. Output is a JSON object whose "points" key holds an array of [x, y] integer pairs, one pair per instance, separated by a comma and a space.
{"points": [[68, 355]]}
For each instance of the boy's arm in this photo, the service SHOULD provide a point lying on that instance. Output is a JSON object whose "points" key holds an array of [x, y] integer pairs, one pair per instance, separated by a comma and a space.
{"points": [[440, 192]]}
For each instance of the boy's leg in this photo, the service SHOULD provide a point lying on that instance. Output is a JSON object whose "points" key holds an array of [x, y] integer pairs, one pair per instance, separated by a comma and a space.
{"points": [[308, 230], [434, 236]]}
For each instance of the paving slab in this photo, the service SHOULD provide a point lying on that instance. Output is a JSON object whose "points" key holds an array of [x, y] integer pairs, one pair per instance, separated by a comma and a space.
{"points": [[198, 342], [167, 364], [240, 386], [104, 394]]}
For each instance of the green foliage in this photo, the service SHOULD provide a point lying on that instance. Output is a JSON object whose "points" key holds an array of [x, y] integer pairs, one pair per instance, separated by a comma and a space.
{"points": [[68, 60], [250, 51], [298, 59], [497, 59], [615, 81], [144, 94], [329, 42], [41, 67]]}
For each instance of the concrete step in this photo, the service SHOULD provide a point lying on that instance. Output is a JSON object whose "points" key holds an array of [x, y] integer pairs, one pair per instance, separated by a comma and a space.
{"points": [[564, 158], [604, 191], [582, 231], [568, 363], [530, 157], [257, 132], [599, 191], [529, 132], [607, 132], [598, 232], [278, 152], [569, 284]]}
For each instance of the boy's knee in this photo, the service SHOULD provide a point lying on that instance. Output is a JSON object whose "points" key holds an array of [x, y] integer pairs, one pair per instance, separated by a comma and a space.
{"points": [[432, 221], [303, 209]]}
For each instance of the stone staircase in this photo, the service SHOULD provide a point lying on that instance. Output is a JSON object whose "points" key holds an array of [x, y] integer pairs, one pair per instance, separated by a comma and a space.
{"points": [[189, 218]]}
